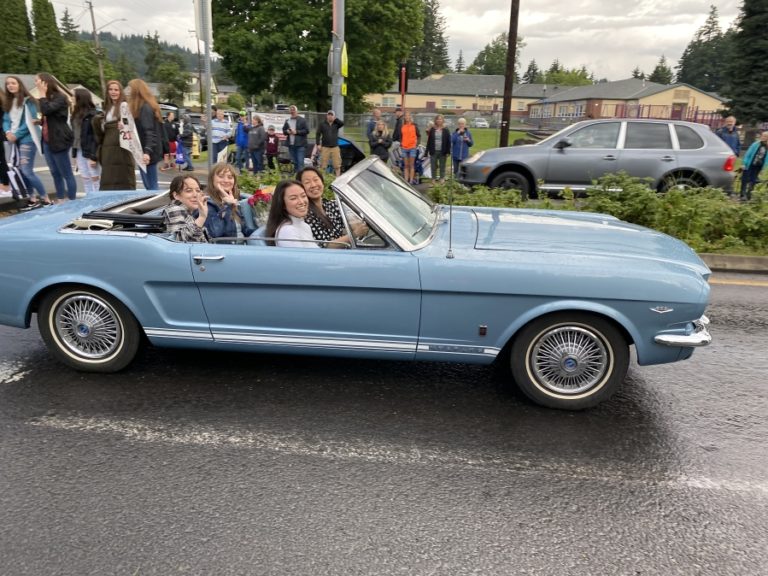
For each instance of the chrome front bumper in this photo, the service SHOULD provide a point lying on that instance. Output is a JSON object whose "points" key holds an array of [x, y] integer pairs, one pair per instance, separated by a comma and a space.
{"points": [[699, 337]]}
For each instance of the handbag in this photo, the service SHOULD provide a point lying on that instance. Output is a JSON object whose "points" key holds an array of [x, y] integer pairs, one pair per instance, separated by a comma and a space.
{"points": [[16, 179], [179, 152]]}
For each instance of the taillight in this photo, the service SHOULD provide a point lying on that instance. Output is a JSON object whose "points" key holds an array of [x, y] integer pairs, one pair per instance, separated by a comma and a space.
{"points": [[729, 163]]}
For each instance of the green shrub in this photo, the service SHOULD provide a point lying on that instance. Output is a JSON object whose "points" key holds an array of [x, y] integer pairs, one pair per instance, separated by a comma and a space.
{"points": [[705, 218]]}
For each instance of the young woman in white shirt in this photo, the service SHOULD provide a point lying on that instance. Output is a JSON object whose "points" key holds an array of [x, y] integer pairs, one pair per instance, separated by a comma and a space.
{"points": [[285, 222]]}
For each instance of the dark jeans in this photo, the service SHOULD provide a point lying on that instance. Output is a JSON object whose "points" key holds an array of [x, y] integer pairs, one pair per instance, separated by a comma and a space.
{"points": [[297, 156], [187, 156], [61, 170], [257, 160], [241, 158], [748, 181]]}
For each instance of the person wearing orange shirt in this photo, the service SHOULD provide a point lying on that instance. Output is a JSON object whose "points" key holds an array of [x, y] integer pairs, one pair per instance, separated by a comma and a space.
{"points": [[409, 142]]}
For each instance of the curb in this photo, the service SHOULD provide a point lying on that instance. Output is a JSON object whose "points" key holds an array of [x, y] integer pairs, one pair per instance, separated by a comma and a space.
{"points": [[736, 263]]}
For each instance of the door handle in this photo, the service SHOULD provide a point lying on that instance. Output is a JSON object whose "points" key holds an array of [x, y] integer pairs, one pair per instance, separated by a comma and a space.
{"points": [[609, 157], [667, 158], [199, 259]]}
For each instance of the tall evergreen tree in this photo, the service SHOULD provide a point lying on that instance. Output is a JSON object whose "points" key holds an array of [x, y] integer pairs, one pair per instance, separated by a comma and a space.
{"points": [[706, 58], [16, 34], [460, 66], [68, 28], [48, 44], [154, 56], [662, 74], [637, 73], [124, 69], [493, 58], [431, 55], [749, 66], [532, 74]]}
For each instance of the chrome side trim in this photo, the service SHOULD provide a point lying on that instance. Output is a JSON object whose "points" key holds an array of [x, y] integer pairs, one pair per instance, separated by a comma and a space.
{"points": [[699, 337], [177, 334]]}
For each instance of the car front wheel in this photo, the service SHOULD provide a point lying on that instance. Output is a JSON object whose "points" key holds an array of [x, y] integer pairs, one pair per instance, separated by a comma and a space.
{"points": [[682, 182], [88, 330], [569, 361], [512, 180]]}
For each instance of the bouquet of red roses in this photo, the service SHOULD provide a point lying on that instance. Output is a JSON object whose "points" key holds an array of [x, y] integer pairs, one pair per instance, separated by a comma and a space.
{"points": [[259, 203]]}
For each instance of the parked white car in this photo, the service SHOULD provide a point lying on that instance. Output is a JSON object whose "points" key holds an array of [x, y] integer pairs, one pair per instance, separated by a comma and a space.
{"points": [[480, 123]]}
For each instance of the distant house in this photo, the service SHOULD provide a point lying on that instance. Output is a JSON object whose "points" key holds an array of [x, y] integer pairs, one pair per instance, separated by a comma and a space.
{"points": [[225, 91], [631, 98], [462, 93]]}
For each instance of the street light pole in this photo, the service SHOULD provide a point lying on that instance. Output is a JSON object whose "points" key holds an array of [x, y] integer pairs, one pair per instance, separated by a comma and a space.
{"points": [[98, 51]]}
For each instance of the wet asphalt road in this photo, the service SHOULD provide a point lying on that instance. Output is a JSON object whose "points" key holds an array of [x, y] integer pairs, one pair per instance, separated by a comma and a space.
{"points": [[247, 464]]}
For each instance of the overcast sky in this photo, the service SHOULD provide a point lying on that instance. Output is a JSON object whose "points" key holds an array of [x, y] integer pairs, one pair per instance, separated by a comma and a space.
{"points": [[609, 37]]}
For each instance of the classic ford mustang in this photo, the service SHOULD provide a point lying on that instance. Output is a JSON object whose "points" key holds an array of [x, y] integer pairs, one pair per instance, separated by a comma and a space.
{"points": [[560, 297]]}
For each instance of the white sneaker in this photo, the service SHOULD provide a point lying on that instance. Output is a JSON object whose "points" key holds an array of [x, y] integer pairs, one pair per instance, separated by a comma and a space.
{"points": [[6, 194]]}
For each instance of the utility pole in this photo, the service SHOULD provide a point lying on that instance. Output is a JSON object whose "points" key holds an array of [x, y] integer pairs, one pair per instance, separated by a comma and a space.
{"points": [[97, 50], [337, 68], [199, 67], [509, 76]]}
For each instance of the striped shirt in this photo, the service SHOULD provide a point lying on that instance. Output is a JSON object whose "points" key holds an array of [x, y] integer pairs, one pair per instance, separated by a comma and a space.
{"points": [[220, 129]]}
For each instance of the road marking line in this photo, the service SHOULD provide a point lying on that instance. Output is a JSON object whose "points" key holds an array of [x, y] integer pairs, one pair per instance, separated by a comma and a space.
{"points": [[728, 282], [292, 445]]}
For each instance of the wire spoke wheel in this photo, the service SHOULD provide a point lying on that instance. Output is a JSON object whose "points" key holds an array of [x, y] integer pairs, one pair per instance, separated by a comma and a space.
{"points": [[89, 327], [569, 360]]}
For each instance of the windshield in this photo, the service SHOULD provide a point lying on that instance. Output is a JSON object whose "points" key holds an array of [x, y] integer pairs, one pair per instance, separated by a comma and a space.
{"points": [[408, 214]]}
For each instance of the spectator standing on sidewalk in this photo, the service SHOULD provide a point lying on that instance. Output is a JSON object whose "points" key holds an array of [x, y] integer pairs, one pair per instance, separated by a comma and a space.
{"points": [[22, 129], [220, 132], [187, 137], [327, 140], [729, 134], [273, 147], [257, 142], [241, 142], [461, 142], [409, 147], [85, 146], [118, 169], [754, 161], [296, 129], [372, 122], [398, 123], [171, 129], [149, 125], [438, 148], [54, 104]]}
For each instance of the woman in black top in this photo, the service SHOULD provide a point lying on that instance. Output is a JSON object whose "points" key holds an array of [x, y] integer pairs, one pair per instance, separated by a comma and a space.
{"points": [[58, 137], [85, 146], [438, 148]]}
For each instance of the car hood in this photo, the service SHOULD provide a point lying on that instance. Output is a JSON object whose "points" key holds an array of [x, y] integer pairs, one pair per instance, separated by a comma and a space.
{"points": [[578, 233]]}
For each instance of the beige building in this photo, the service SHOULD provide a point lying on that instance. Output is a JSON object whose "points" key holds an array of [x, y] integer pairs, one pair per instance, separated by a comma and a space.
{"points": [[632, 98], [459, 93]]}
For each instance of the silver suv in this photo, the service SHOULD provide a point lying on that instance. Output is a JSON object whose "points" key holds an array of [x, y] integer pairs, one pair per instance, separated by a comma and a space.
{"points": [[671, 153]]}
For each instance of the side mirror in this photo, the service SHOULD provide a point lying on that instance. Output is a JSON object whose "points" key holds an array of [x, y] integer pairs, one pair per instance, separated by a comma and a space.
{"points": [[564, 143]]}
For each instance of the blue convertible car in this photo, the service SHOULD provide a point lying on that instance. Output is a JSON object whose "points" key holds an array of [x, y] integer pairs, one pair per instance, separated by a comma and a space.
{"points": [[559, 297]]}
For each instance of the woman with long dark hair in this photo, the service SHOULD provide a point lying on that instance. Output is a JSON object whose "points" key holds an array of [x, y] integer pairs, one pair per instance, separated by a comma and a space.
{"points": [[149, 124], [285, 222], [22, 130], [185, 216], [85, 146], [118, 169], [57, 139]]}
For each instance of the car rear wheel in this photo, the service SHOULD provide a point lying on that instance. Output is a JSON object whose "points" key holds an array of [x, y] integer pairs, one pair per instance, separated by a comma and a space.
{"points": [[569, 361], [88, 330], [682, 182], [512, 180]]}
